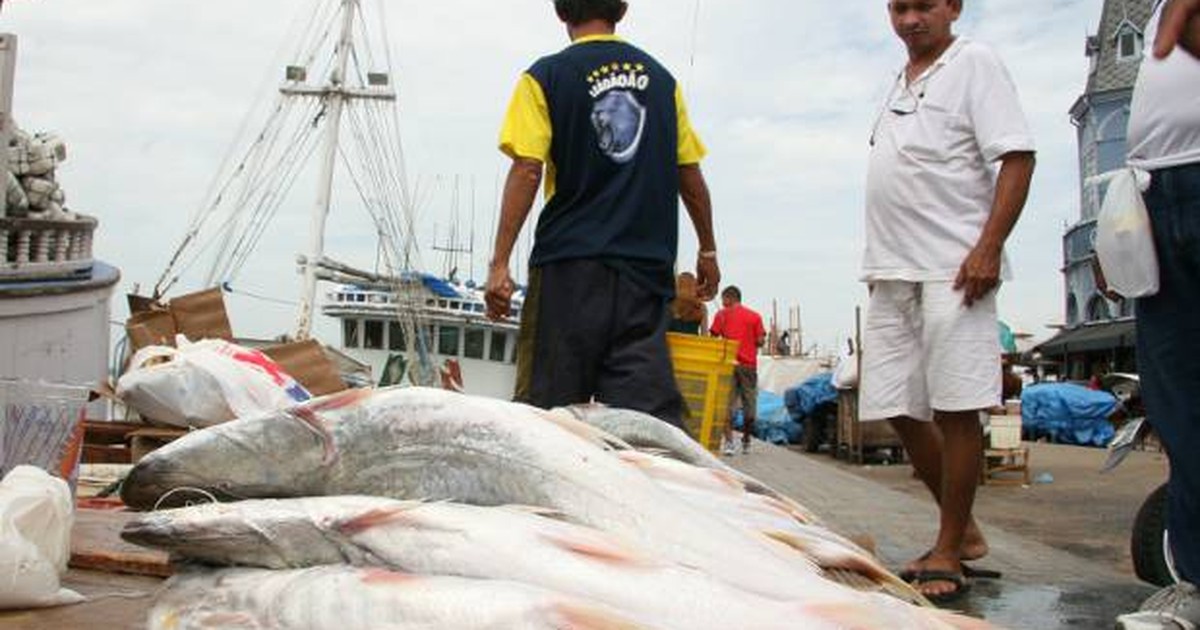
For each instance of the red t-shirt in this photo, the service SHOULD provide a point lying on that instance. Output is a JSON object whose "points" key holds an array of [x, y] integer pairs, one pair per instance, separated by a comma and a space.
{"points": [[742, 325]]}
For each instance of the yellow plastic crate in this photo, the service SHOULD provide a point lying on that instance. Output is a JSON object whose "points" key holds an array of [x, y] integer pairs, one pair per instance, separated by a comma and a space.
{"points": [[703, 369]]}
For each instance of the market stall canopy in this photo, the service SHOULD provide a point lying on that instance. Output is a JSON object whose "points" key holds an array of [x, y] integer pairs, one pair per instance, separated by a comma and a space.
{"points": [[1088, 338]]}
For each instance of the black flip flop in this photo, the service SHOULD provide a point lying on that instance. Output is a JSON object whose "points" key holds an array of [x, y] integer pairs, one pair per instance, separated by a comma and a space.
{"points": [[976, 573], [962, 585], [968, 571]]}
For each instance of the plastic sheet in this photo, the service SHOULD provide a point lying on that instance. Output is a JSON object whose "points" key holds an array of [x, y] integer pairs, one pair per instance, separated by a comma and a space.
{"points": [[1065, 413]]}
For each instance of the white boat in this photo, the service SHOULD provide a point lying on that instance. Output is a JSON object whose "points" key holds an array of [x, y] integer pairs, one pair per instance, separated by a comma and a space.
{"points": [[454, 327], [407, 325]]}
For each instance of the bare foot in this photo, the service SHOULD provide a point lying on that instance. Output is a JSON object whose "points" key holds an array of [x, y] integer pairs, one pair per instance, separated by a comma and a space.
{"points": [[974, 547], [939, 576]]}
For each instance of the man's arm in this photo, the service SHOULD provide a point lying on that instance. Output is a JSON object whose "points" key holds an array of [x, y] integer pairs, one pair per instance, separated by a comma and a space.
{"points": [[980, 272], [694, 192], [1179, 25], [520, 190]]}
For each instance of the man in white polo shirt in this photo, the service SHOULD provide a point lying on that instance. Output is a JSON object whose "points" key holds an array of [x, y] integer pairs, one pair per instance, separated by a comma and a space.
{"points": [[937, 217], [1164, 139]]}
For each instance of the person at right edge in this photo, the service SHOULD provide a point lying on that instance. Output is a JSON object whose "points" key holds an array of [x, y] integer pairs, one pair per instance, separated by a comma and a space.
{"points": [[608, 125], [1164, 139], [937, 216]]}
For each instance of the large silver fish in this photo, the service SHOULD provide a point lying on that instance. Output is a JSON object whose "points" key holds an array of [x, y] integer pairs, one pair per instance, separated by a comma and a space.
{"points": [[644, 431], [349, 598], [418, 443], [505, 543]]}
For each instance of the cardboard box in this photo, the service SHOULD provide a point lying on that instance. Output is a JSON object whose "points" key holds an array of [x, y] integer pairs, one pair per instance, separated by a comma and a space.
{"points": [[306, 362], [199, 315]]}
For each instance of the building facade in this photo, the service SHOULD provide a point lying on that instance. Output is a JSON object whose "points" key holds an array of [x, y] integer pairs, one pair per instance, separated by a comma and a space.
{"points": [[1099, 333]]}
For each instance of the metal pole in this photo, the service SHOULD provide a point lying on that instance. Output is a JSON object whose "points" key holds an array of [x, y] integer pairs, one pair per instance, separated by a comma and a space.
{"points": [[8, 66], [336, 99]]}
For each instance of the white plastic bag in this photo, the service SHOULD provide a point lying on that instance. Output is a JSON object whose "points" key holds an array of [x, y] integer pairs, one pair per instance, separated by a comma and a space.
{"points": [[845, 373], [206, 383], [1124, 241], [35, 539]]}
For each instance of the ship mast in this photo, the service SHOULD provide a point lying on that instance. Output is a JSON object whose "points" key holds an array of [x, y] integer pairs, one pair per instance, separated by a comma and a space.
{"points": [[335, 96]]}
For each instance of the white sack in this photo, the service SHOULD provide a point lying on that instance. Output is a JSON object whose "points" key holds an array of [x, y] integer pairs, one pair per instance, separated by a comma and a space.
{"points": [[35, 539], [206, 383]]}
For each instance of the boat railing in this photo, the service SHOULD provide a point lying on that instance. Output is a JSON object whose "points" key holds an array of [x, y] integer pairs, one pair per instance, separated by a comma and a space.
{"points": [[45, 248]]}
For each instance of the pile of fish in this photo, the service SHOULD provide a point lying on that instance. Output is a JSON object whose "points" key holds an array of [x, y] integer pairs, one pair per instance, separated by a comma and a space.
{"points": [[423, 508]]}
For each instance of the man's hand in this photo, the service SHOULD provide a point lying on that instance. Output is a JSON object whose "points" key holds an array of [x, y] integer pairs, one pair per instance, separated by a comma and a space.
{"points": [[708, 278], [1179, 25], [500, 287], [1102, 282], [979, 274]]}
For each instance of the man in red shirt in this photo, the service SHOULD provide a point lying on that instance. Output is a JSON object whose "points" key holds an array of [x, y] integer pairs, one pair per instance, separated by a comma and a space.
{"points": [[745, 326]]}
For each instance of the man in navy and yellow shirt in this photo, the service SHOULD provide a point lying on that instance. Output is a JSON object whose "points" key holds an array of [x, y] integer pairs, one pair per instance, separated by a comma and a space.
{"points": [[607, 124]]}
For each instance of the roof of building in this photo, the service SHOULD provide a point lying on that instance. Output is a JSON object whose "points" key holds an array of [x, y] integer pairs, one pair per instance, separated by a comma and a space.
{"points": [[1091, 337], [1112, 73]]}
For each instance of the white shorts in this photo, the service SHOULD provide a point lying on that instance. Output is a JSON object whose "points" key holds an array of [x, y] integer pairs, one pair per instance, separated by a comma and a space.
{"points": [[924, 351]]}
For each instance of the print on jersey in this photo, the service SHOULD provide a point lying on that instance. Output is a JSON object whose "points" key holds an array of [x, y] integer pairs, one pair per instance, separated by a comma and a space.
{"points": [[619, 120]]}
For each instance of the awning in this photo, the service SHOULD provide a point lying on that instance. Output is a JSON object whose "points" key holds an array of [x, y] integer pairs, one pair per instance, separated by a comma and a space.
{"points": [[1091, 338]]}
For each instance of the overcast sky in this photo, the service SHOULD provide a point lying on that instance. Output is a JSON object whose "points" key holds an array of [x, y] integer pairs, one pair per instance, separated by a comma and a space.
{"points": [[149, 94]]}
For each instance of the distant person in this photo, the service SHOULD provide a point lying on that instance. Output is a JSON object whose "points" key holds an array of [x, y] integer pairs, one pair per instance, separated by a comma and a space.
{"points": [[1164, 139], [607, 123], [937, 217], [689, 315], [744, 326], [781, 346]]}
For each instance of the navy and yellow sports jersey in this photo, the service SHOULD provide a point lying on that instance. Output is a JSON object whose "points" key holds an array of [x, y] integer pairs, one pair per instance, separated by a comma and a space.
{"points": [[609, 123]]}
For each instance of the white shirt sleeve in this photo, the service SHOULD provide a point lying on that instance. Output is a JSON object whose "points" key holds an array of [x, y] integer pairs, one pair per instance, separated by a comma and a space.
{"points": [[995, 109]]}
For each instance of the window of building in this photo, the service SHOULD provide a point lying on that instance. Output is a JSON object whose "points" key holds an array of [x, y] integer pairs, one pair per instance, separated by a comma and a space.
{"points": [[473, 341], [448, 340], [1097, 310], [396, 340], [1127, 307], [499, 346], [373, 334], [350, 333], [1129, 42], [1072, 311]]}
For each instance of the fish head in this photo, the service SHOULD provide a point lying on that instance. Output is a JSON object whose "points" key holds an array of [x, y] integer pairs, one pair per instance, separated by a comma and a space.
{"points": [[274, 455]]}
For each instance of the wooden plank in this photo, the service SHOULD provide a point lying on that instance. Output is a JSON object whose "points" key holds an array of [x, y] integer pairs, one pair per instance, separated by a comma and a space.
{"points": [[96, 544]]}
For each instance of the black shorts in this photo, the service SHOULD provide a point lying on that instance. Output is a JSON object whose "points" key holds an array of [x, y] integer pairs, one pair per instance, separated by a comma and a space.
{"points": [[589, 332]]}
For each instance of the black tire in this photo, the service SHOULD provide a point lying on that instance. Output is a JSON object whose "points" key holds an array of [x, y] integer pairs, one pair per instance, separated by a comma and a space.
{"points": [[1148, 543]]}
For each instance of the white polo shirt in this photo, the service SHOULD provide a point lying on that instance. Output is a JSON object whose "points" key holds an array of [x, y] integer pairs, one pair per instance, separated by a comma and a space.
{"points": [[1164, 118], [932, 171]]}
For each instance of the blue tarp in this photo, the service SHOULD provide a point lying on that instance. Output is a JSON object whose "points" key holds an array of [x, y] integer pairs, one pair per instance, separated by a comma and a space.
{"points": [[1067, 414], [772, 424], [804, 398], [440, 287]]}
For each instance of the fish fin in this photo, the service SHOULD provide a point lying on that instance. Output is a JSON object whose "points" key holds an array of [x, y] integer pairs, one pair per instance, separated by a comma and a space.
{"points": [[536, 510], [791, 508], [376, 575], [567, 420], [855, 560], [579, 616], [597, 549], [373, 518]]}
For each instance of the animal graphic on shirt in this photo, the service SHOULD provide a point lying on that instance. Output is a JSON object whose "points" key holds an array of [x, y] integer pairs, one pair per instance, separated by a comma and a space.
{"points": [[619, 120]]}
